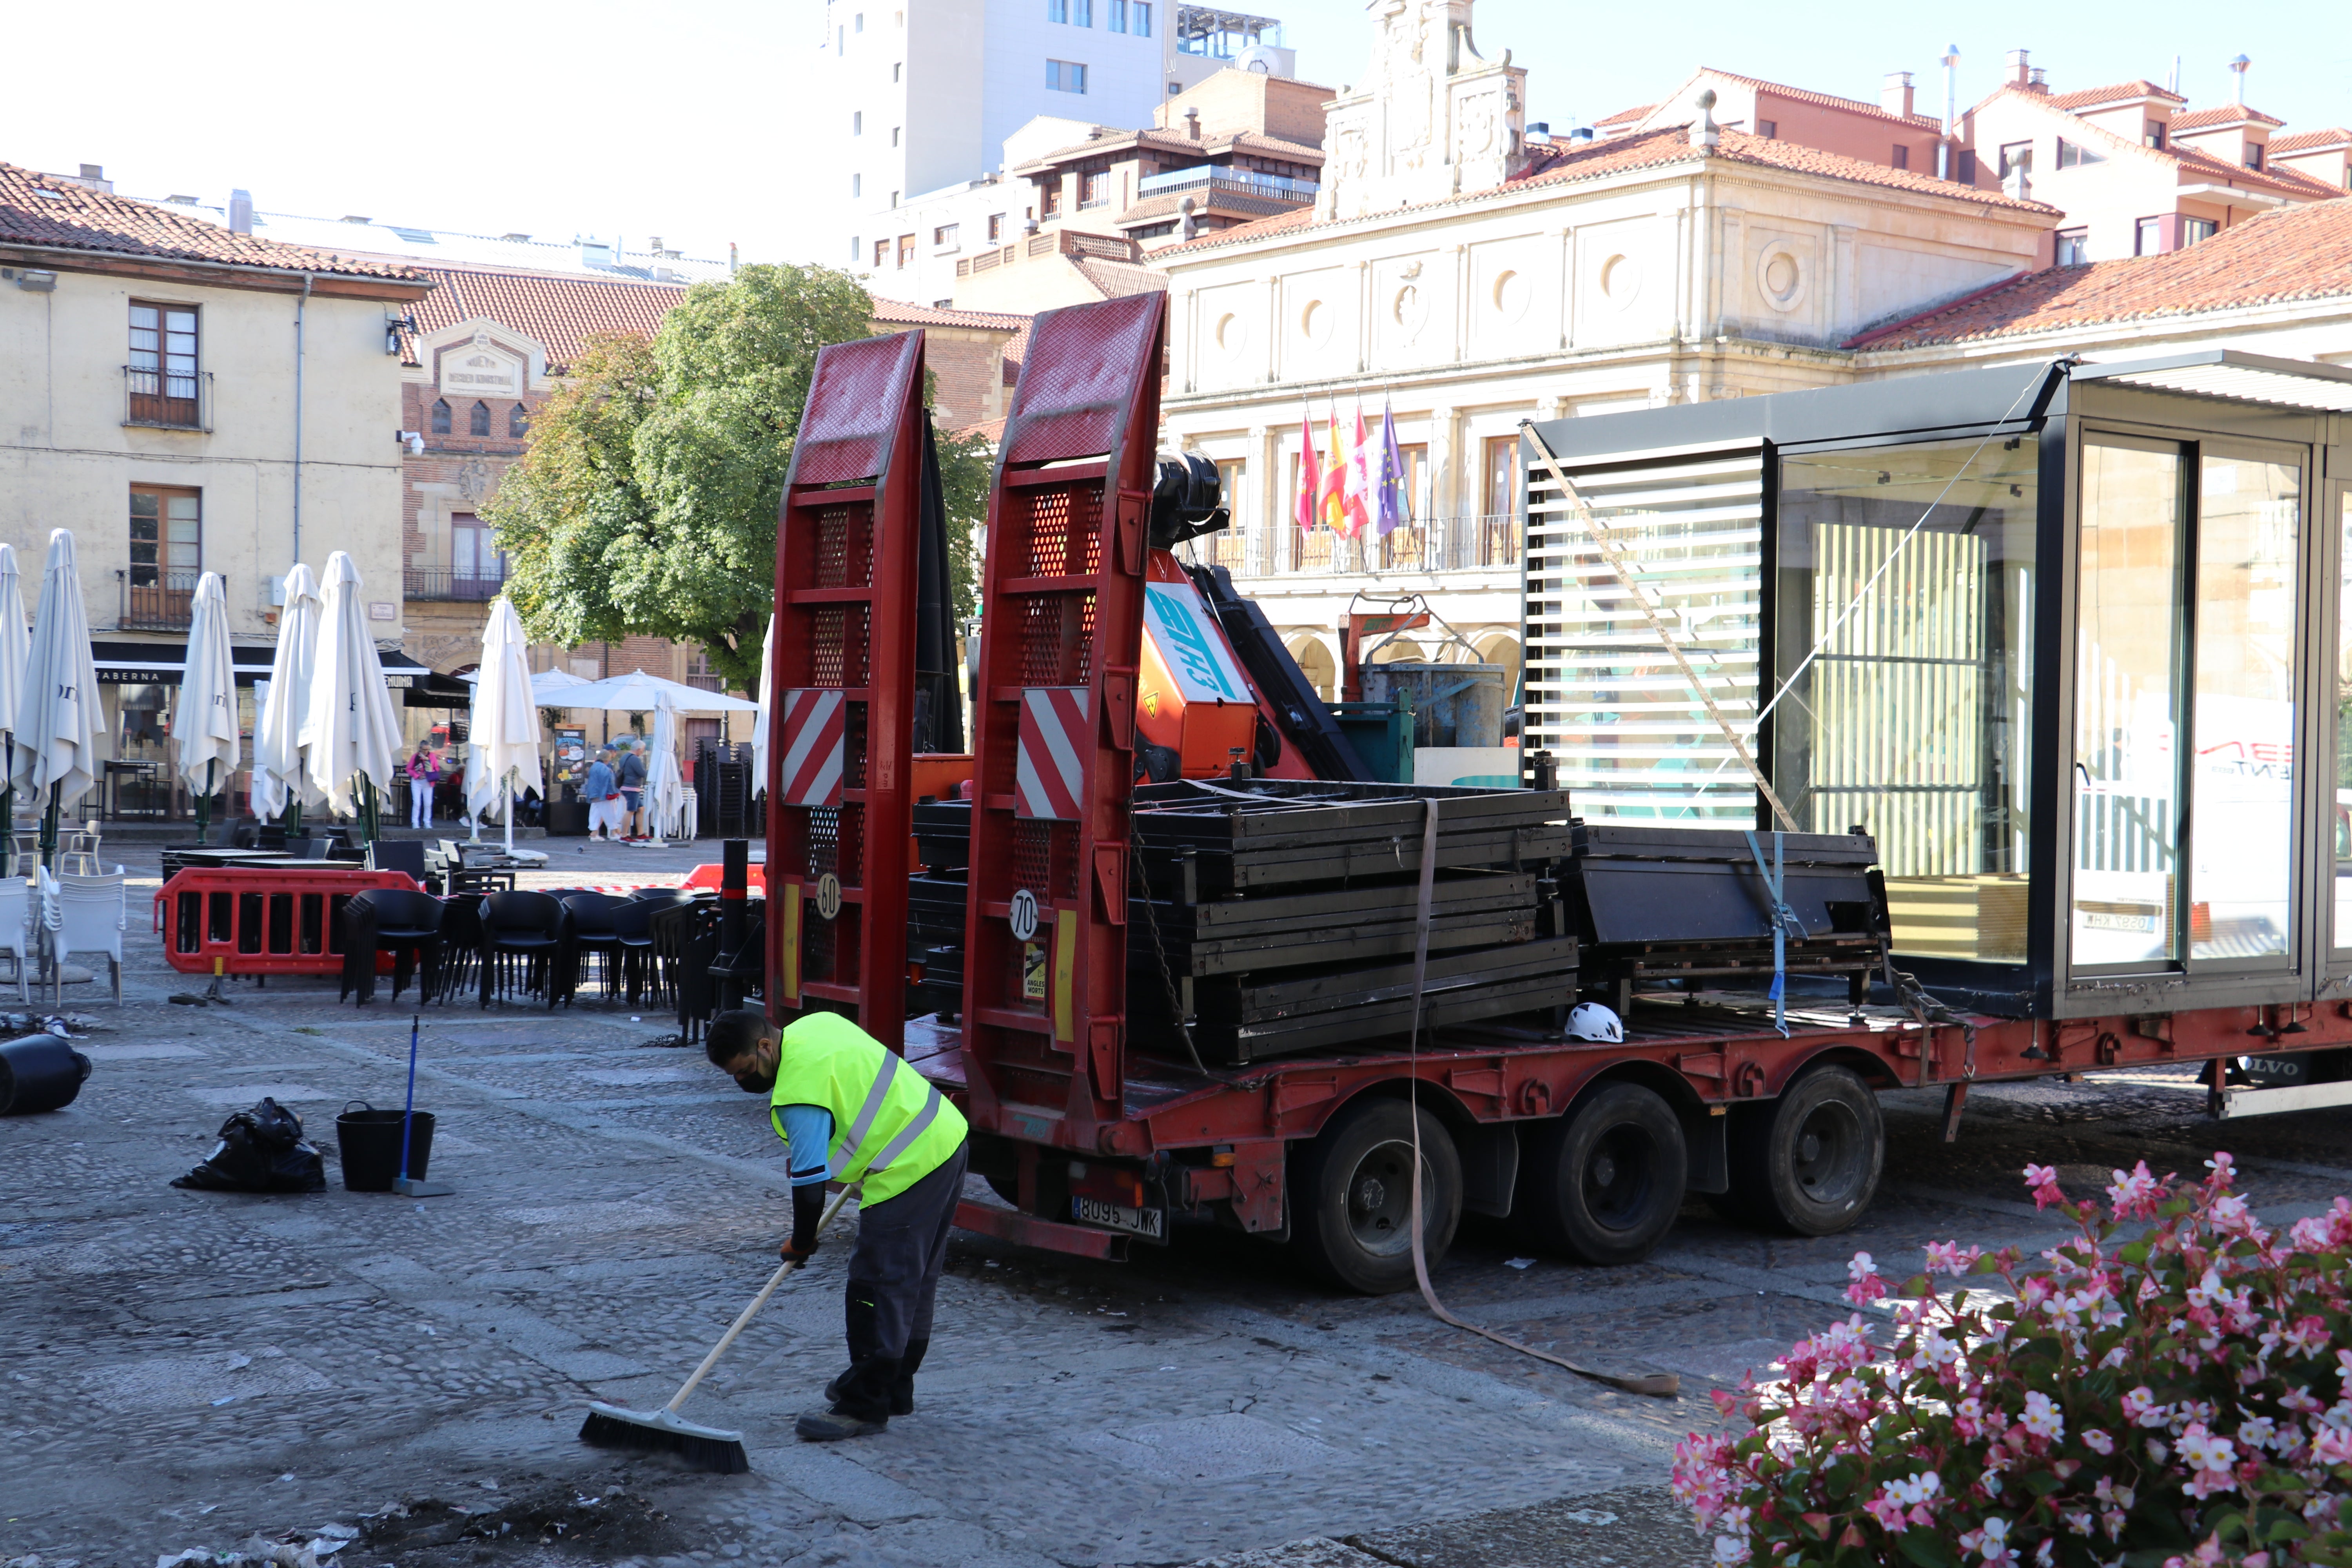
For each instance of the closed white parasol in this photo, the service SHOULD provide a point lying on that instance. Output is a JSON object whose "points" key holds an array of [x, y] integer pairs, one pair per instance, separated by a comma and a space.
{"points": [[57, 718], [349, 728], [503, 732], [203, 722], [280, 772]]}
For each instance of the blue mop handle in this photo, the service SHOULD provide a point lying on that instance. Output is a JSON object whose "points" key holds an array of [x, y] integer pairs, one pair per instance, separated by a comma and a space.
{"points": [[408, 1111]]}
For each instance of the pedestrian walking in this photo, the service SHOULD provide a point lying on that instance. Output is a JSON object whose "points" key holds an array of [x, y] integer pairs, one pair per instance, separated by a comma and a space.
{"points": [[602, 793], [850, 1109], [630, 776], [423, 774]]}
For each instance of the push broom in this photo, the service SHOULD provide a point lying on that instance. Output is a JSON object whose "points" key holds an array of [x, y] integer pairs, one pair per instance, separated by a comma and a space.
{"points": [[664, 1430]]}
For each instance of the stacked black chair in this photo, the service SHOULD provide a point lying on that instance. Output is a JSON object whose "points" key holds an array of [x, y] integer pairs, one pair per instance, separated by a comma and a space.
{"points": [[686, 939], [593, 934], [390, 919], [641, 972], [403, 855], [461, 945], [527, 946]]}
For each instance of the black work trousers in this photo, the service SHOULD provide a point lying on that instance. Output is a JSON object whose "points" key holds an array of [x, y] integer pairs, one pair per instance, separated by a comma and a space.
{"points": [[894, 1275]]}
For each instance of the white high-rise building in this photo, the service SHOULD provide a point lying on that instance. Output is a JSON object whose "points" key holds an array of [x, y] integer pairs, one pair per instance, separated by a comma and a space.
{"points": [[918, 96]]}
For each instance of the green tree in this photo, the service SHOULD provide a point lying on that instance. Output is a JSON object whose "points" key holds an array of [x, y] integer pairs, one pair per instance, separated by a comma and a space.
{"points": [[647, 501]]}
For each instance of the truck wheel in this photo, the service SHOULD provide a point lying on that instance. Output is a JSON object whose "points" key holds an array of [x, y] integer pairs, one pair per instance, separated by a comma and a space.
{"points": [[1351, 1195], [1605, 1181], [1812, 1164]]}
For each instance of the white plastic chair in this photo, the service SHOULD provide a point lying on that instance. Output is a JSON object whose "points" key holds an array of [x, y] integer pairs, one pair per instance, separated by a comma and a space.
{"points": [[16, 928], [86, 915], [79, 852]]}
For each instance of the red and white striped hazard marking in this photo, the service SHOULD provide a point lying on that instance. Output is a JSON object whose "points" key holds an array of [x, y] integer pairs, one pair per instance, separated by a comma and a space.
{"points": [[1049, 772], [813, 755]]}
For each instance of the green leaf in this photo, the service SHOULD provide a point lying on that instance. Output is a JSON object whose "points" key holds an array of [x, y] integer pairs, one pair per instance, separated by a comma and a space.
{"points": [[1928, 1549]]}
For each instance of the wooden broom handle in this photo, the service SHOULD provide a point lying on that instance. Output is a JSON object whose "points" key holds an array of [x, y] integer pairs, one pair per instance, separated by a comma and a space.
{"points": [[757, 1301]]}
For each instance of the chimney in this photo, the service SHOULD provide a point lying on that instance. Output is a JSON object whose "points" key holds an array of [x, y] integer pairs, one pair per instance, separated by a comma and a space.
{"points": [[1191, 122], [2237, 68], [1703, 130], [240, 212], [2019, 73], [1896, 96]]}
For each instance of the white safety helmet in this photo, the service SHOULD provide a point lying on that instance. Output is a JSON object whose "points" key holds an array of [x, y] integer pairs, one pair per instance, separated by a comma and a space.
{"points": [[1592, 1021]]}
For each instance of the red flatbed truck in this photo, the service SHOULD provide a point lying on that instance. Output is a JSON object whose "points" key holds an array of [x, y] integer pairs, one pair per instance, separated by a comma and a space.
{"points": [[1590, 1146]]}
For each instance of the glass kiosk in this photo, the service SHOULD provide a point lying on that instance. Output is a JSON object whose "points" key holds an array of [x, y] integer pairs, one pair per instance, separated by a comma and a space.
{"points": [[2054, 634]]}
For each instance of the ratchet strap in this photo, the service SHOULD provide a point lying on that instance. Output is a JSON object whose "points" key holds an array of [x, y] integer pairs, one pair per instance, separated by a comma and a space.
{"points": [[1785, 923], [1665, 1385]]}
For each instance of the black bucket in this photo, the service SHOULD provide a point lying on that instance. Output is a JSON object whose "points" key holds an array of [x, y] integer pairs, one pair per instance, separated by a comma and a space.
{"points": [[39, 1072], [369, 1142]]}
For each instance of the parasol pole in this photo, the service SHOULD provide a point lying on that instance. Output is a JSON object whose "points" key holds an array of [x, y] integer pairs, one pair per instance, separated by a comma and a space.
{"points": [[511, 805], [50, 829], [8, 812], [205, 801]]}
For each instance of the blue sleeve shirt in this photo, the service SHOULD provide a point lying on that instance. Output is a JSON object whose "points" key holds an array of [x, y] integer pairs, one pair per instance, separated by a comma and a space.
{"points": [[808, 1132]]}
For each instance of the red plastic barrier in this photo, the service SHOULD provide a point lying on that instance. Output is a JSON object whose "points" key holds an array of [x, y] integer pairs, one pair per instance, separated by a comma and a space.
{"points": [[707, 877], [261, 920]]}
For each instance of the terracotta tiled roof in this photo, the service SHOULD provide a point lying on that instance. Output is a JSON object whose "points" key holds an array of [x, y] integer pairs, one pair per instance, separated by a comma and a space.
{"points": [[2096, 96], [1559, 164], [2295, 253], [1626, 116], [2284, 182], [38, 209], [1117, 279], [2226, 114], [1826, 100], [560, 313], [1213, 199], [899, 313], [2310, 141]]}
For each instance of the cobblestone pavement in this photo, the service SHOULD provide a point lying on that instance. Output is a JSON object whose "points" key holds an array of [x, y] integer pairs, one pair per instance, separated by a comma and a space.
{"points": [[185, 1368]]}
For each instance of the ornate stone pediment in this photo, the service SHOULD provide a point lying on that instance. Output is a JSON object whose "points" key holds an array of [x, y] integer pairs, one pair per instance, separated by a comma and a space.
{"points": [[1431, 119]]}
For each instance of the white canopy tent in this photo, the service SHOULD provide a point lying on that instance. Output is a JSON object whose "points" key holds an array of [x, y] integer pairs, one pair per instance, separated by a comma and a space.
{"points": [[204, 723], [637, 692]]}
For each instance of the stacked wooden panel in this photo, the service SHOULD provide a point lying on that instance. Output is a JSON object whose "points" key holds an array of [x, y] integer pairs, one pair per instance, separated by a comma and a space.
{"points": [[1279, 916]]}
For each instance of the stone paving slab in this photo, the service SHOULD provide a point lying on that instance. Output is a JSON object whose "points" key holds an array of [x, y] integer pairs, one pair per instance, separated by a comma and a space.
{"points": [[283, 1362]]}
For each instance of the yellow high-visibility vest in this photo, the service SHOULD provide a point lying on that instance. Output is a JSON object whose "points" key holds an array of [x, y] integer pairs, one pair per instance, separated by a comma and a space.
{"points": [[890, 1128]]}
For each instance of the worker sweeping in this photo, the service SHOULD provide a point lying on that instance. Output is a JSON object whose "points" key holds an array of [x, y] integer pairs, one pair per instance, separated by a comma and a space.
{"points": [[852, 1110]]}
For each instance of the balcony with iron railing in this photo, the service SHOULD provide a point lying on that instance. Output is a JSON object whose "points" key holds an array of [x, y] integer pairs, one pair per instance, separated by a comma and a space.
{"points": [[1479, 543], [167, 399], [152, 599], [446, 584], [1240, 182]]}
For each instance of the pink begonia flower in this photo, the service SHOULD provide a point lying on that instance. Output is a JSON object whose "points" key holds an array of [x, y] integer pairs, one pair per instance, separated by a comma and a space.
{"points": [[2043, 1180], [2042, 1419], [1867, 1286], [1888, 1513], [2230, 1212], [2332, 1446], [2134, 1196], [1951, 1257], [2222, 1166], [1729, 1550], [2141, 1409], [2256, 1431], [2098, 1442]]}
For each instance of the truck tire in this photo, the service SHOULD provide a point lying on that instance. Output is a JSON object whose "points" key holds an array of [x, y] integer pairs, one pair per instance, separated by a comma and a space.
{"points": [[1605, 1181], [1351, 1195], [1810, 1162]]}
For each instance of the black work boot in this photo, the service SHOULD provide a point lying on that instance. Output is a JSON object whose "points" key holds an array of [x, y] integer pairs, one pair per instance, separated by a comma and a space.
{"points": [[861, 1402]]}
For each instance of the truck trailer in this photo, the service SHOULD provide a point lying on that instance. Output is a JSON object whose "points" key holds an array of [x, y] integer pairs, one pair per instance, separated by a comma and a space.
{"points": [[1865, 733]]}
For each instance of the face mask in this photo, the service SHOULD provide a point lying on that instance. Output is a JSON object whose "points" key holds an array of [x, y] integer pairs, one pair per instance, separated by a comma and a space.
{"points": [[762, 1079]]}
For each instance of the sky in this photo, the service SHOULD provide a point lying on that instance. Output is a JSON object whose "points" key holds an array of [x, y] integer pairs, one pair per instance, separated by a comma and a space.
{"points": [[686, 119]]}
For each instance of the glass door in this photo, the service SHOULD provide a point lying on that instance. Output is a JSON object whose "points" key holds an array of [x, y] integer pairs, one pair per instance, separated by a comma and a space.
{"points": [[2186, 632], [2241, 872], [2340, 795], [2130, 657]]}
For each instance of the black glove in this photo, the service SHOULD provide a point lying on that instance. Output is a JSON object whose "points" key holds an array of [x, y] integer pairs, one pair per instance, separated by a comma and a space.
{"points": [[808, 1208]]}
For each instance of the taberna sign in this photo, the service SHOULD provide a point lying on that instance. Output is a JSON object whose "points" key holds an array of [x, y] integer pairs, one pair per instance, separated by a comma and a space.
{"points": [[1189, 640]]}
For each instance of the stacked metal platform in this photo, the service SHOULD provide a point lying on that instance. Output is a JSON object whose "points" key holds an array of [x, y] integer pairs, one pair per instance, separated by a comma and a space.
{"points": [[1678, 904], [1279, 916]]}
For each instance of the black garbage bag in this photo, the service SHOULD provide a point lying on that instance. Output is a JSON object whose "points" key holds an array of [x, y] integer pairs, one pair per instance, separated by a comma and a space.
{"points": [[260, 1150]]}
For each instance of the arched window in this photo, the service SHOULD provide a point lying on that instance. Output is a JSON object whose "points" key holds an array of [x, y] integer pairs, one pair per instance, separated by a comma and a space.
{"points": [[440, 416], [479, 424], [517, 423]]}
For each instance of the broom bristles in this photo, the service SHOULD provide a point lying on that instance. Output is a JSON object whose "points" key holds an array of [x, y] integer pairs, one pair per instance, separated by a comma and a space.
{"points": [[659, 1431]]}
